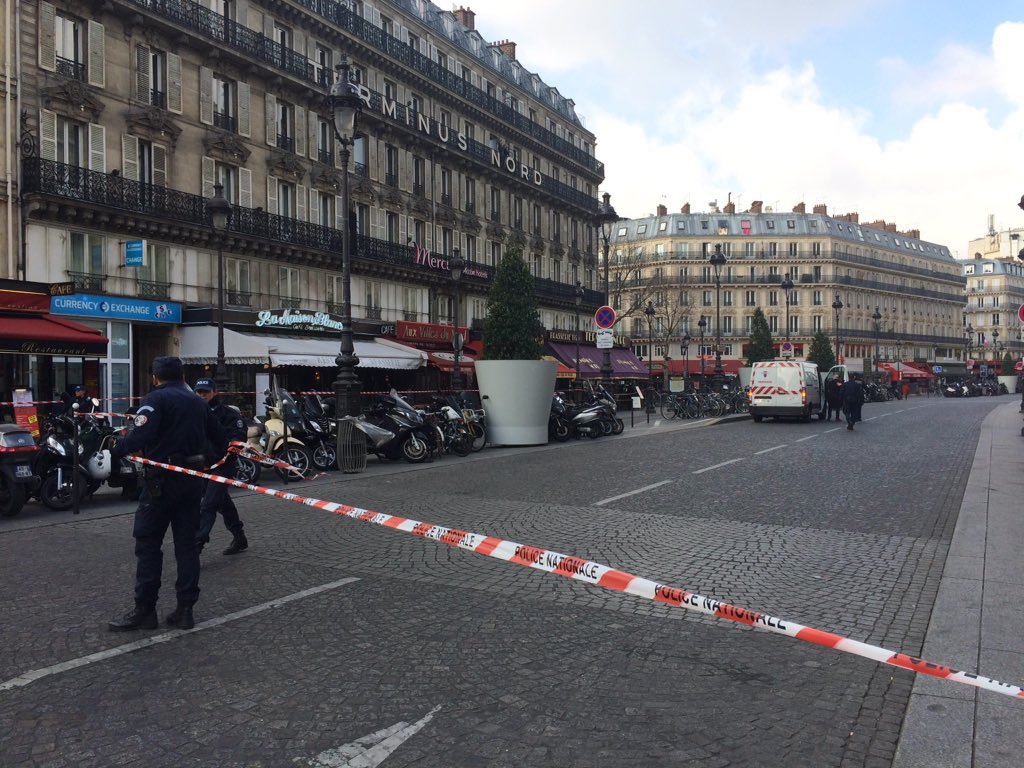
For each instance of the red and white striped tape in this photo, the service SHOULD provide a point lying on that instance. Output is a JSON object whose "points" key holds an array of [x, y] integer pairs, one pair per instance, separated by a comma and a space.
{"points": [[599, 575]]}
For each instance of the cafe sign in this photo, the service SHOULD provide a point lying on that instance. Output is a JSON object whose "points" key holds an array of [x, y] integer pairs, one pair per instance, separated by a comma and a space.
{"points": [[288, 318], [426, 333]]}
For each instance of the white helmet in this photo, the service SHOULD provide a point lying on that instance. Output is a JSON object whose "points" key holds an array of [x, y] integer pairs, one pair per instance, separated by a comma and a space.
{"points": [[99, 465]]}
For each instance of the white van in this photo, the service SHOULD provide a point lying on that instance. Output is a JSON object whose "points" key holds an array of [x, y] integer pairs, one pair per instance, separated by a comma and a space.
{"points": [[786, 388]]}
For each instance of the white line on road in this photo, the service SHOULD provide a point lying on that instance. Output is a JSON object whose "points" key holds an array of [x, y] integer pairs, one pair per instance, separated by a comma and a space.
{"points": [[632, 493], [37, 674], [769, 450], [809, 437], [834, 429], [716, 466], [373, 749]]}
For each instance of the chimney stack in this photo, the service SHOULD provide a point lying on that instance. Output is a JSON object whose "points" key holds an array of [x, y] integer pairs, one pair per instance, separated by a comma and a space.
{"points": [[800, 208], [756, 206], [730, 207], [685, 208], [662, 210], [914, 233], [465, 17], [507, 47], [821, 208], [891, 228]]}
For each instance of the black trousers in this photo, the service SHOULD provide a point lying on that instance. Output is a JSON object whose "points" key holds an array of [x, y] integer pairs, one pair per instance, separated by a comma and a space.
{"points": [[176, 507], [216, 498]]}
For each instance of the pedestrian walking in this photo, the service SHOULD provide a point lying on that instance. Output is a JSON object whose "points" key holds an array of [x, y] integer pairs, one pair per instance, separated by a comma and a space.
{"points": [[216, 496], [833, 397], [175, 426], [853, 399]]}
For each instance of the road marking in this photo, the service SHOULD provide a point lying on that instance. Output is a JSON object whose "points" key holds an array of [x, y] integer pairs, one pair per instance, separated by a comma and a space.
{"points": [[769, 450], [834, 429], [716, 466], [809, 437], [632, 493], [373, 749], [64, 666]]}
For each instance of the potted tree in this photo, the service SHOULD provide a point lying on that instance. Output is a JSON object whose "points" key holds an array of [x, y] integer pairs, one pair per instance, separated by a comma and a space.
{"points": [[515, 383]]}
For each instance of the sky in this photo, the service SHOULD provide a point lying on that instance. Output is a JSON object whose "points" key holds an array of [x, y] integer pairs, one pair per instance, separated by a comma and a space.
{"points": [[911, 111]]}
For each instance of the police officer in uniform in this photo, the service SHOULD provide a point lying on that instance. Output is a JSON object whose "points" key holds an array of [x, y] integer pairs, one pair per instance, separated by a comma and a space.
{"points": [[175, 426], [216, 497]]}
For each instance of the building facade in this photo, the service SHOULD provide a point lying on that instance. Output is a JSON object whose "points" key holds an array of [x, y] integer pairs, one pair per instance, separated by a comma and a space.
{"points": [[130, 111], [663, 261], [994, 278]]}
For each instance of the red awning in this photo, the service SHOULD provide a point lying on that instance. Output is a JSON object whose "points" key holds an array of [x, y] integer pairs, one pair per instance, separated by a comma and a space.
{"points": [[731, 367], [446, 361], [50, 335], [564, 371], [904, 370]]}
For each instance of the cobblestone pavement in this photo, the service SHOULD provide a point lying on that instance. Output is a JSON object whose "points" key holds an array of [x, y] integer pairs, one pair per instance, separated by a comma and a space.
{"points": [[839, 531]]}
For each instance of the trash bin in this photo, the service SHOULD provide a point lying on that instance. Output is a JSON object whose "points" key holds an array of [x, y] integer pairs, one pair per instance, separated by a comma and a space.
{"points": [[351, 448]]}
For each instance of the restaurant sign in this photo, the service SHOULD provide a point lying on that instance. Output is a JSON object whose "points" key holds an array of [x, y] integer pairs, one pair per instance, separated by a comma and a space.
{"points": [[427, 333], [424, 258], [287, 318]]}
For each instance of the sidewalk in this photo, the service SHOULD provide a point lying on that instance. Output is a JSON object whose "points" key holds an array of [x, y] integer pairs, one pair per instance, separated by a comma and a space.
{"points": [[977, 624]]}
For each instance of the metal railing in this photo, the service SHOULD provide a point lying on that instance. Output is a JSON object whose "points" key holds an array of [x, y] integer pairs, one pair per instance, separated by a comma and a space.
{"points": [[85, 281], [150, 289], [71, 69], [225, 121], [238, 298]]}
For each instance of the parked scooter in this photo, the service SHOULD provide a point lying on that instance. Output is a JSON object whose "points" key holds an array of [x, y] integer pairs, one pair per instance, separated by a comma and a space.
{"points": [[16, 451], [411, 437], [274, 442]]}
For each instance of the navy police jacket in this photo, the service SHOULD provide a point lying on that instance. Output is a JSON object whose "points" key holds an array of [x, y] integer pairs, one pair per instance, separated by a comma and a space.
{"points": [[173, 421]]}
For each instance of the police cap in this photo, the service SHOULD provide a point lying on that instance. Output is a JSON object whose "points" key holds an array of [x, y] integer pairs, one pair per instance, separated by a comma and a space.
{"points": [[208, 385]]}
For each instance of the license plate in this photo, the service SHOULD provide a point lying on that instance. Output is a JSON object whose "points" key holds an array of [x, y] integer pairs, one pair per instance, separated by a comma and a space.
{"points": [[22, 470], [127, 470]]}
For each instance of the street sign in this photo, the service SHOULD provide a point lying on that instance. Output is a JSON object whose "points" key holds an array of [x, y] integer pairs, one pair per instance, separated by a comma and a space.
{"points": [[936, 369], [605, 339], [135, 253], [604, 317], [787, 350]]}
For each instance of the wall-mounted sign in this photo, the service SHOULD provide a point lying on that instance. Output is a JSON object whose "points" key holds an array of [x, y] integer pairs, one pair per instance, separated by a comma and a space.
{"points": [[289, 318], [423, 257], [62, 289], [429, 333], [116, 308], [135, 253]]}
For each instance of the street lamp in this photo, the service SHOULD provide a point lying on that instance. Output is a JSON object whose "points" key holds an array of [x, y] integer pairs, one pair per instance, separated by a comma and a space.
{"points": [[717, 260], [219, 211], [578, 298], [686, 357], [995, 343], [837, 305], [650, 311], [456, 264], [700, 350], [877, 317], [969, 336], [606, 216], [346, 107], [787, 286]]}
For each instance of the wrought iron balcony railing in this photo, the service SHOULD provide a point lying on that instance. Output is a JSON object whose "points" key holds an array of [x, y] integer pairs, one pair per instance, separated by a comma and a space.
{"points": [[290, 302], [86, 282], [373, 313], [325, 156], [225, 121], [285, 142], [71, 69], [238, 298], [158, 98], [150, 289]]}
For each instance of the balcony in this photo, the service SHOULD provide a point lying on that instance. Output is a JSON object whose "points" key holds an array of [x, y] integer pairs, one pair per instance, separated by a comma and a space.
{"points": [[373, 313], [391, 179], [419, 189], [446, 198], [325, 156], [412, 317], [149, 289], [71, 69], [285, 142], [225, 122], [360, 170], [470, 206], [238, 298], [85, 281], [158, 98], [289, 302]]}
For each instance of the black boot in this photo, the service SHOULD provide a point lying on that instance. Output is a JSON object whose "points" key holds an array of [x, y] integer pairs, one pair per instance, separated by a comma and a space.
{"points": [[238, 543], [181, 618], [140, 618]]}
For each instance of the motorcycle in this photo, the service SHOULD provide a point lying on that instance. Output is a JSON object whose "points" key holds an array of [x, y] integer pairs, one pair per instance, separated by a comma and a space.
{"points": [[411, 438], [280, 439], [16, 451], [317, 432]]}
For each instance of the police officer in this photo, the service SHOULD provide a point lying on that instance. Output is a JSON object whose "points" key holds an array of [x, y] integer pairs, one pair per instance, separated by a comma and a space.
{"points": [[174, 426], [216, 497]]}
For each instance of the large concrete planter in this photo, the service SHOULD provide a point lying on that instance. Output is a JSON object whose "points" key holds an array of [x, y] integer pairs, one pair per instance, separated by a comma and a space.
{"points": [[516, 397], [1009, 381]]}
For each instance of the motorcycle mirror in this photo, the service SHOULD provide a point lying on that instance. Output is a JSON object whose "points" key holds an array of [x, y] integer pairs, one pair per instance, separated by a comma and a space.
{"points": [[95, 402]]}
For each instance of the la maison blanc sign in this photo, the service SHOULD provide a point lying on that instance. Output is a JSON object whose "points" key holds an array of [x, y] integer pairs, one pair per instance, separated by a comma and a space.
{"points": [[287, 318], [421, 122]]}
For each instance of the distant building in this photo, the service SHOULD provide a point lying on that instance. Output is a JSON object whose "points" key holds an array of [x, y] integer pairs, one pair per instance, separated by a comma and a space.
{"points": [[663, 260], [994, 294]]}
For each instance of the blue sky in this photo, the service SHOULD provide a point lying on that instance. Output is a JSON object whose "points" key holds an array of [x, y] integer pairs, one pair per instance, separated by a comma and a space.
{"points": [[902, 110]]}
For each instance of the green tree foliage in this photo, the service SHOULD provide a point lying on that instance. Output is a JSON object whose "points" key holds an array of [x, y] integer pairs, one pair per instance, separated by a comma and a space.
{"points": [[821, 352], [512, 329], [760, 339], [1008, 363]]}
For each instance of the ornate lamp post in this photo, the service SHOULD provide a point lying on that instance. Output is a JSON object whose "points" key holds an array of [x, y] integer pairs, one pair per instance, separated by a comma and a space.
{"points": [[995, 343], [837, 305], [219, 211], [345, 106], [606, 216], [456, 264], [877, 318], [650, 311], [899, 359], [578, 299], [787, 286], [700, 351], [686, 358], [717, 260], [968, 341]]}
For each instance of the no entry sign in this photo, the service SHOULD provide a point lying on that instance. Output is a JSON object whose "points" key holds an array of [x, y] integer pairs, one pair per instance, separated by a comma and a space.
{"points": [[604, 317]]}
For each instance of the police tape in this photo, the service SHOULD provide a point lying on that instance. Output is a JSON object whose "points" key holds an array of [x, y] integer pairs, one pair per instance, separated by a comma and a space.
{"points": [[246, 451], [599, 575]]}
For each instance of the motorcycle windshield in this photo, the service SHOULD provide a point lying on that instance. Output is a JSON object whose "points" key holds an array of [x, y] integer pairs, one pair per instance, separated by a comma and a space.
{"points": [[288, 409]]}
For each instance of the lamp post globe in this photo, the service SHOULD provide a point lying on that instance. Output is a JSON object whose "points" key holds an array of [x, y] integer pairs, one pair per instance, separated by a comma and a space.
{"points": [[345, 108], [606, 217], [717, 260], [219, 211], [456, 264], [837, 305], [702, 325]]}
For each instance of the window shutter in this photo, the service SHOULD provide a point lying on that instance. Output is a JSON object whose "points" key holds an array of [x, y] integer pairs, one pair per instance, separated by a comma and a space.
{"points": [[206, 96], [300, 131], [159, 165], [270, 113], [300, 202], [48, 135], [97, 148], [97, 55], [209, 171], [272, 194], [142, 79], [130, 157], [314, 206], [174, 83], [245, 187], [244, 110], [48, 36]]}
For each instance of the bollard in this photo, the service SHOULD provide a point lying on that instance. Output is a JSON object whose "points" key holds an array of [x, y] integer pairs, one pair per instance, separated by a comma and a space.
{"points": [[351, 448]]}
